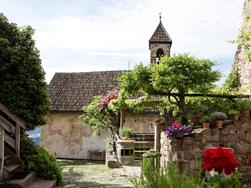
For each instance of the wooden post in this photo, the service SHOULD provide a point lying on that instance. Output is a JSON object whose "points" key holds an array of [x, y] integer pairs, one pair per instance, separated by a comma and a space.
{"points": [[157, 144], [17, 139], [2, 152]]}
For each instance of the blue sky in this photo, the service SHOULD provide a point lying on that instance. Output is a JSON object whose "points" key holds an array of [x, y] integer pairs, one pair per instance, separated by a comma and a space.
{"points": [[84, 35]]}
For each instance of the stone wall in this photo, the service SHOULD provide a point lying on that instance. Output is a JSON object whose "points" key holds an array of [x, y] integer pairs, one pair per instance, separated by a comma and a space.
{"points": [[155, 46], [188, 149], [66, 137], [243, 64]]}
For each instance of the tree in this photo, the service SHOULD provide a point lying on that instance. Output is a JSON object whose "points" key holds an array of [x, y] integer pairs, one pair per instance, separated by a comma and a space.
{"points": [[101, 114], [232, 83], [23, 88], [178, 75]]}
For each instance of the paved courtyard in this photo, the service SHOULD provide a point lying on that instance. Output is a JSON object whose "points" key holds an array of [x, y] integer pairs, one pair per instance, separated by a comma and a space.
{"points": [[78, 173]]}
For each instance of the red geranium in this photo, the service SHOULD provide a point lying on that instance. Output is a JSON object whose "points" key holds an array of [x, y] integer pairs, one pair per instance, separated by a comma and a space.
{"points": [[249, 160], [220, 159], [176, 124]]}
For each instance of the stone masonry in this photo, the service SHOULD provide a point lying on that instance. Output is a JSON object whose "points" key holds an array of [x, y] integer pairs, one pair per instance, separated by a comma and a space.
{"points": [[188, 149], [243, 64]]}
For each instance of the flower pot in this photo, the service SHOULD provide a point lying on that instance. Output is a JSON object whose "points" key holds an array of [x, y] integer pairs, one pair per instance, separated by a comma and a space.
{"points": [[195, 119], [246, 113], [206, 125], [219, 123], [236, 117]]}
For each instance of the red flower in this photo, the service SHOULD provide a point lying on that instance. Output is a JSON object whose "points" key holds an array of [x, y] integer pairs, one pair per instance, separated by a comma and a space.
{"points": [[249, 160], [176, 124], [220, 159]]}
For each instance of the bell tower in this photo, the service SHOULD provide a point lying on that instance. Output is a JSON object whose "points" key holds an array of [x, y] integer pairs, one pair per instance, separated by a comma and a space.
{"points": [[159, 44]]}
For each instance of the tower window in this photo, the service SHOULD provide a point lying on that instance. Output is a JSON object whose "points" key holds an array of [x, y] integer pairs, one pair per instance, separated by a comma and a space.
{"points": [[159, 54]]}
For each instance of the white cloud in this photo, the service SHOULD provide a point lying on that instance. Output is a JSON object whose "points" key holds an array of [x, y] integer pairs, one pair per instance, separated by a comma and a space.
{"points": [[82, 35], [199, 27]]}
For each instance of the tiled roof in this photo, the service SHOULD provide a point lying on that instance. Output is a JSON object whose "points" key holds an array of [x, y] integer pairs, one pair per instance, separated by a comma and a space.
{"points": [[160, 35], [71, 91]]}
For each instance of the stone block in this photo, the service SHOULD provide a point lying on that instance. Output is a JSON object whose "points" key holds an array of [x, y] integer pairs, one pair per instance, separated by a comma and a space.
{"points": [[229, 138], [225, 132], [188, 156], [211, 138], [188, 141], [248, 137], [242, 148], [242, 135], [113, 163]]}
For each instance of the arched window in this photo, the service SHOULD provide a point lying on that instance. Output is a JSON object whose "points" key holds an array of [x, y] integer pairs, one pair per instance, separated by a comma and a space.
{"points": [[159, 54]]}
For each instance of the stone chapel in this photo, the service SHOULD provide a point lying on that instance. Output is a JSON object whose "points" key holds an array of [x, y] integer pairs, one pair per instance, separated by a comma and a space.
{"points": [[64, 135]]}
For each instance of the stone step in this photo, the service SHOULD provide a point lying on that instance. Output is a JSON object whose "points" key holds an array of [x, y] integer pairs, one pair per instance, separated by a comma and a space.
{"points": [[22, 180], [39, 183], [12, 167]]}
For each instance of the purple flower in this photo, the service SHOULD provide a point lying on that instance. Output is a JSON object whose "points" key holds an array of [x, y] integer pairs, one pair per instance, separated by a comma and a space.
{"points": [[174, 130]]}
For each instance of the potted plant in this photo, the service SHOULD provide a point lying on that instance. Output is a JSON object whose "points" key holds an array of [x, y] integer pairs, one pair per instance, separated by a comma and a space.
{"points": [[218, 118], [235, 114], [125, 133], [244, 106], [206, 120], [178, 130]]}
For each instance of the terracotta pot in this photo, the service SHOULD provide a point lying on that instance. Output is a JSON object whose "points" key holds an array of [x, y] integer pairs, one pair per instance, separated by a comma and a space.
{"points": [[236, 117], [195, 119], [206, 125], [219, 123], [246, 113]]}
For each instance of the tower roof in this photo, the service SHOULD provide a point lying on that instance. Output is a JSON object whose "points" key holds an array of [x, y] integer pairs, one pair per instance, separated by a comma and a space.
{"points": [[160, 35]]}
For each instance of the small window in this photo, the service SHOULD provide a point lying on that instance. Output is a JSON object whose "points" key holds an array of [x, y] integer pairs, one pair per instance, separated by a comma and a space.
{"points": [[159, 54], [126, 152]]}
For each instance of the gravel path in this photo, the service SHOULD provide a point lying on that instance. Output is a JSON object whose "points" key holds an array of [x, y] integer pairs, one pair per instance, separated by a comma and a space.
{"points": [[78, 173]]}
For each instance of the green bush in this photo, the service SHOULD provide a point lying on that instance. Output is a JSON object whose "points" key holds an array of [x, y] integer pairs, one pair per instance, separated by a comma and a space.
{"points": [[37, 159], [234, 112], [243, 104], [206, 119], [125, 133]]}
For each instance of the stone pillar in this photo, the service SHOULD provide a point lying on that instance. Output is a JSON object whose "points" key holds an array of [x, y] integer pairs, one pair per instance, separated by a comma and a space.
{"points": [[157, 144]]}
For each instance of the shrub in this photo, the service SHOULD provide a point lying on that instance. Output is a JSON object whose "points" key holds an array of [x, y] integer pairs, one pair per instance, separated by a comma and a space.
{"points": [[243, 104], [37, 159], [205, 119], [125, 133], [234, 112], [218, 116]]}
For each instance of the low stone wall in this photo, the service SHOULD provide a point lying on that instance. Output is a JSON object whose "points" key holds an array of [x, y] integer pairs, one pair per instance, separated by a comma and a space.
{"points": [[188, 149]]}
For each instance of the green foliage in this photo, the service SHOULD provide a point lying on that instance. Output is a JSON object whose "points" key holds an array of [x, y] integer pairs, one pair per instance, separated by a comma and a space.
{"points": [[243, 104], [234, 112], [232, 82], [205, 119], [169, 177], [218, 116], [125, 133], [23, 88], [136, 81], [98, 120], [220, 181], [37, 159], [178, 74], [183, 73], [208, 105]]}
